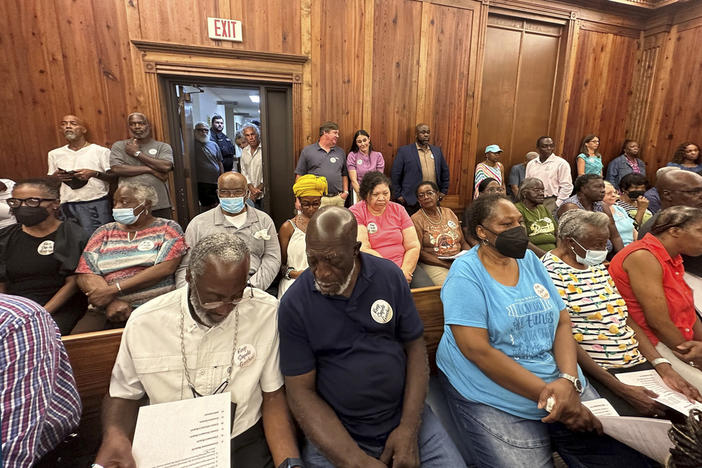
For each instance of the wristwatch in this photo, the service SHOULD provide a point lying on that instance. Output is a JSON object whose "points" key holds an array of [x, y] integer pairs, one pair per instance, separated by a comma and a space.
{"points": [[576, 381], [291, 463], [287, 272], [138, 152]]}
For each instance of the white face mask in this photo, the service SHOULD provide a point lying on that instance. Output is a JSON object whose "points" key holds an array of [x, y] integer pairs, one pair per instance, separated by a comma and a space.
{"points": [[592, 257]]}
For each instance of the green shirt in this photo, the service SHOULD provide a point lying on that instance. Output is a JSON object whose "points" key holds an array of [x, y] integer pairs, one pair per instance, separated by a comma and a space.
{"points": [[540, 225]]}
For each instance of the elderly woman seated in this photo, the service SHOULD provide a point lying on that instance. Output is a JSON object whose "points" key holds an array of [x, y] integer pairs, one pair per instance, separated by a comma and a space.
{"points": [[439, 232], [507, 348], [308, 190], [39, 254], [130, 261], [386, 230], [540, 224], [649, 275], [609, 344], [625, 224]]}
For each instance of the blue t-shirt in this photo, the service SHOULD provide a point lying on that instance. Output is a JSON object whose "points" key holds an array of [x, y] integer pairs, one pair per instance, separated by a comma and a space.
{"points": [[521, 322], [593, 164], [356, 345], [624, 223]]}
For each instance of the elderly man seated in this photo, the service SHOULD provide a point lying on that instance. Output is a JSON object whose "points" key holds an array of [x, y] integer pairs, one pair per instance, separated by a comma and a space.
{"points": [[233, 216], [354, 359], [215, 335]]}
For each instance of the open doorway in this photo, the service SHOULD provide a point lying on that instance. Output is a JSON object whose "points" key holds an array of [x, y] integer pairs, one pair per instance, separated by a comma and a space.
{"points": [[196, 101]]}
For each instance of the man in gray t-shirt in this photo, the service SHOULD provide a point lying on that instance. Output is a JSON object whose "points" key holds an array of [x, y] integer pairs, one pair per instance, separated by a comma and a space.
{"points": [[325, 159], [208, 165], [144, 160]]}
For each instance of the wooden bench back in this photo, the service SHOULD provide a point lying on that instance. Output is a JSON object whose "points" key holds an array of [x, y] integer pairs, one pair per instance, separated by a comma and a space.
{"points": [[431, 311]]}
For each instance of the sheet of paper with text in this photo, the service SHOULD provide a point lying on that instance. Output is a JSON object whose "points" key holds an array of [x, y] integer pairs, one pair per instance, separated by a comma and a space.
{"points": [[185, 433]]}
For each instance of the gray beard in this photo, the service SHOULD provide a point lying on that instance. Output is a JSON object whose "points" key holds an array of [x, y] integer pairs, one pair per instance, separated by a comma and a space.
{"points": [[202, 139], [341, 288]]}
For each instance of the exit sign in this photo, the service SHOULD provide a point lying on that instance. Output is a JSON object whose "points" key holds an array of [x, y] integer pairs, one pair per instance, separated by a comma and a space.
{"points": [[224, 29]]}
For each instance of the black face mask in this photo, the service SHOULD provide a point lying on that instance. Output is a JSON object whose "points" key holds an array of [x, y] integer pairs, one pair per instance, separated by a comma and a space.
{"points": [[30, 215], [635, 194], [512, 242]]}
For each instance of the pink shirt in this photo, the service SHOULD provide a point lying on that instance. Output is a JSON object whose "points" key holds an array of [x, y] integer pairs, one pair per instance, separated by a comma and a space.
{"points": [[362, 163], [385, 231], [555, 174]]}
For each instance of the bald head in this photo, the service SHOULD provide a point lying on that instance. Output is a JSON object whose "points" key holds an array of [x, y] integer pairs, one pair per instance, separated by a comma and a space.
{"points": [[332, 224], [680, 188], [231, 181]]}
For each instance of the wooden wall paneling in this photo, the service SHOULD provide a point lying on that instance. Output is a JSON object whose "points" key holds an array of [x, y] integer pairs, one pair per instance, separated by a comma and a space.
{"points": [[306, 95], [396, 40], [600, 93], [443, 82], [36, 88], [643, 86], [367, 112], [564, 86], [681, 116], [337, 66]]}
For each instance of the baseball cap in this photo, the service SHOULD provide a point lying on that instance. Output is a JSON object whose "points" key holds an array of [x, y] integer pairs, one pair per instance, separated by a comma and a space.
{"points": [[493, 149]]}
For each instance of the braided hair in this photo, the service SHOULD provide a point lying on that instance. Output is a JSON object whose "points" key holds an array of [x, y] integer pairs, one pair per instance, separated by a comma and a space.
{"points": [[687, 440]]}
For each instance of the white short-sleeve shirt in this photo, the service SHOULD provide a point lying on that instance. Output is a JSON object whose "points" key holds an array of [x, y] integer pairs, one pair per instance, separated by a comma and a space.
{"points": [[94, 157], [150, 362]]}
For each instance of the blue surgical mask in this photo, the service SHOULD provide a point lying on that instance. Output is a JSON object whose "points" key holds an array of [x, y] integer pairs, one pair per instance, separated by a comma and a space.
{"points": [[592, 257], [232, 205], [126, 216]]}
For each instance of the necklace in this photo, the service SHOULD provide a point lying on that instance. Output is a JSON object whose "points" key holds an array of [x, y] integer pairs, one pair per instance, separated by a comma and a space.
{"points": [[135, 235], [224, 384], [441, 217]]}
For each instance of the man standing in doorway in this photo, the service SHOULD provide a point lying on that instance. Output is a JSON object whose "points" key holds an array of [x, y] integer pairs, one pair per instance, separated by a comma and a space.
{"points": [[225, 144], [252, 164], [414, 163], [143, 160], [82, 167], [553, 171], [208, 164], [325, 159]]}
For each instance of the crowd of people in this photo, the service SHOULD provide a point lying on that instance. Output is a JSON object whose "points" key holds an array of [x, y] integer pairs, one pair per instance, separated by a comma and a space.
{"points": [[569, 284]]}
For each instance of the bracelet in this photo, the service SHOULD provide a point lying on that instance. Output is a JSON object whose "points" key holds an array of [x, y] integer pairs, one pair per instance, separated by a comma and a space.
{"points": [[119, 288], [660, 360]]}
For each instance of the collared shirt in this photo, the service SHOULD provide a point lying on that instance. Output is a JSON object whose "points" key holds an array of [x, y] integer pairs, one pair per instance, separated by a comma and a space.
{"points": [[678, 295], [621, 166], [258, 232], [355, 344], [92, 156], [316, 160], [252, 165], [364, 163], [555, 175], [154, 149], [150, 360], [208, 157], [39, 402], [426, 160]]}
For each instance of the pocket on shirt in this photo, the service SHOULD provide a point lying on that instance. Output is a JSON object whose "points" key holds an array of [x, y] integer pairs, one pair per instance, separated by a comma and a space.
{"points": [[153, 365]]}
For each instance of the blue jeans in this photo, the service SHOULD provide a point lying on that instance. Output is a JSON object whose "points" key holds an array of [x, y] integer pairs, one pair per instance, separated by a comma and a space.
{"points": [[436, 450], [90, 215], [499, 439]]}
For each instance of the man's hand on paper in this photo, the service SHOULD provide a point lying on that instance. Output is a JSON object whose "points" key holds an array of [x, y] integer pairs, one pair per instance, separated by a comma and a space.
{"points": [[115, 452], [642, 399], [675, 381]]}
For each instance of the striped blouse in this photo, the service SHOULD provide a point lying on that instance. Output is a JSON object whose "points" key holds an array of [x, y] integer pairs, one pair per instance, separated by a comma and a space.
{"points": [[114, 255], [39, 402], [598, 313]]}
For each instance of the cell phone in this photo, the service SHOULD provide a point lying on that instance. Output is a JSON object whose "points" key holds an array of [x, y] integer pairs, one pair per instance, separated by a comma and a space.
{"points": [[67, 172]]}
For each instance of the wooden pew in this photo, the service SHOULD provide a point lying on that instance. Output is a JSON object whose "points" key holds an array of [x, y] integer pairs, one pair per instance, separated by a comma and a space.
{"points": [[431, 311], [92, 357]]}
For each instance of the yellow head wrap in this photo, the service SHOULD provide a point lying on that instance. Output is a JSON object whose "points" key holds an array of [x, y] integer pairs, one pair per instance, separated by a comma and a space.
{"points": [[310, 185]]}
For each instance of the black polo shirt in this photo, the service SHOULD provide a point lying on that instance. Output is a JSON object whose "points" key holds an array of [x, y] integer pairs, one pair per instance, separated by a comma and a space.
{"points": [[356, 345]]}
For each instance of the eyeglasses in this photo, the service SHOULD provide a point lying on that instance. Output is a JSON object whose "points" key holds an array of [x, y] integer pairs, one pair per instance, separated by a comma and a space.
{"points": [[427, 194], [205, 130], [217, 304], [231, 193], [32, 202], [311, 205]]}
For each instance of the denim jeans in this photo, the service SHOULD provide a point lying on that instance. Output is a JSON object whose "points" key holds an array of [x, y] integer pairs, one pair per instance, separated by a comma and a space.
{"points": [[89, 215], [499, 439], [436, 450]]}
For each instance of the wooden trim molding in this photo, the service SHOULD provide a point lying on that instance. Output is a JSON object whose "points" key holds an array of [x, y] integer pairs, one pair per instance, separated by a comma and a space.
{"points": [[206, 51]]}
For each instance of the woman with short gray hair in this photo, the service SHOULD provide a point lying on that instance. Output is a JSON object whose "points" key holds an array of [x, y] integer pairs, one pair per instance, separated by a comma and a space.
{"points": [[130, 261], [608, 343]]}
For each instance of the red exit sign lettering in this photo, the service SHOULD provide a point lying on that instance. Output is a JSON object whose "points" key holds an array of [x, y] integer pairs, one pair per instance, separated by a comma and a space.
{"points": [[224, 29]]}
